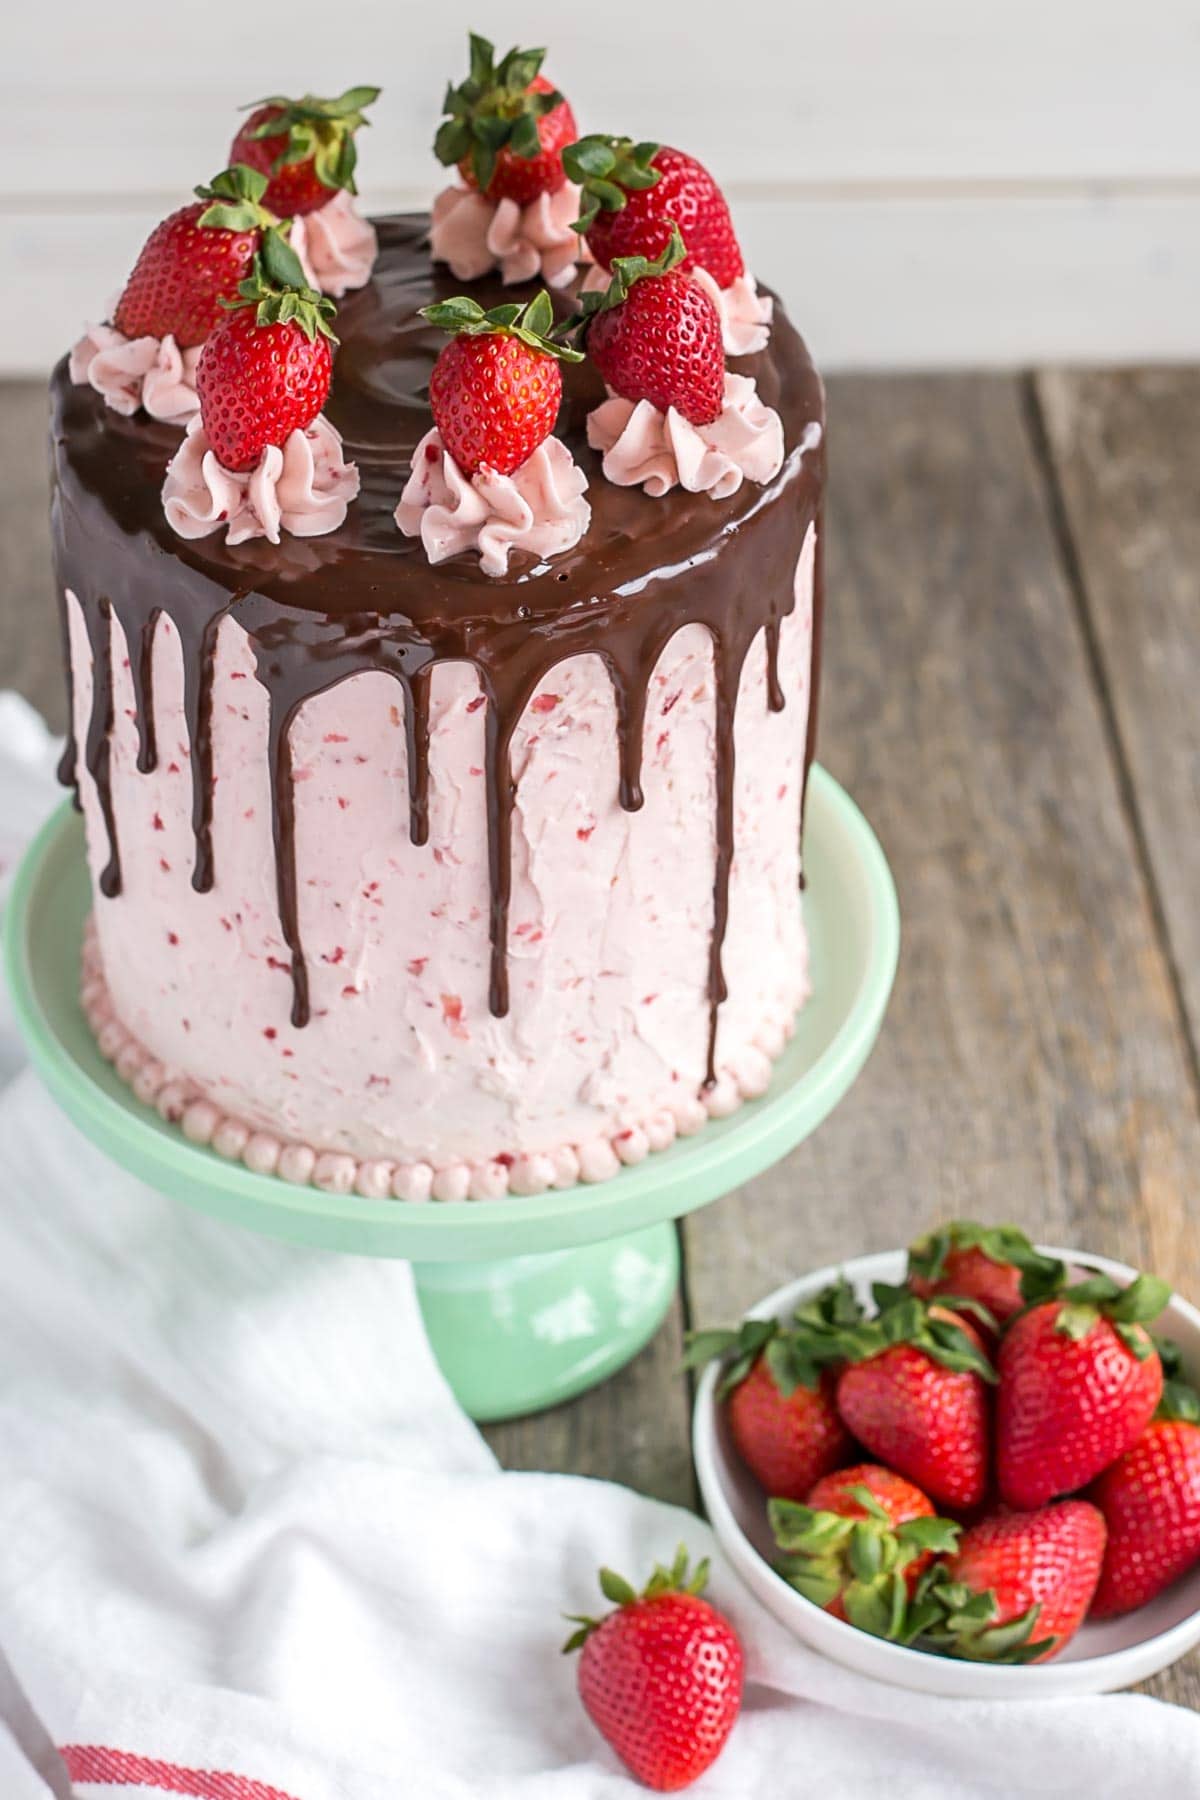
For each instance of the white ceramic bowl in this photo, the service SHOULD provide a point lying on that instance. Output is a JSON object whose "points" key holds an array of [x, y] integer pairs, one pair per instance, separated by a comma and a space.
{"points": [[1099, 1658]]}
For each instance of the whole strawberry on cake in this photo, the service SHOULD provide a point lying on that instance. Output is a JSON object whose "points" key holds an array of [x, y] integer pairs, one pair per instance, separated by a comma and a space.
{"points": [[443, 670]]}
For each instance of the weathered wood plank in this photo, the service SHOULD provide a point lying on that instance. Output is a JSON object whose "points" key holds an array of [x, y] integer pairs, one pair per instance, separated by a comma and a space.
{"points": [[1032, 1065], [29, 656], [1126, 450]]}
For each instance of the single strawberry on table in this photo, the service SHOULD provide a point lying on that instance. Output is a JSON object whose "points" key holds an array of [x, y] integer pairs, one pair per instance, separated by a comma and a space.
{"points": [[496, 387], [859, 1546], [634, 195], [916, 1395], [994, 1264], [661, 1675], [506, 126], [778, 1390], [265, 369], [1080, 1379], [1019, 1585], [305, 148], [1150, 1498], [654, 335], [194, 261]]}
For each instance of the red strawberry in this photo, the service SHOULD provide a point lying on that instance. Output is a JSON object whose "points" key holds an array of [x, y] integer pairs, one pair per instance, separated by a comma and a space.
{"points": [[984, 1263], [1019, 1585], [654, 335], [265, 369], [634, 193], [787, 1441], [506, 126], [1079, 1381], [496, 388], [305, 147], [194, 260], [1150, 1499], [859, 1547], [778, 1390], [916, 1396], [661, 1677]]}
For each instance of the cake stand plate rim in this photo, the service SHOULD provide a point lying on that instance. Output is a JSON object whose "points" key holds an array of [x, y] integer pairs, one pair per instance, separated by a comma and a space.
{"points": [[849, 880]]}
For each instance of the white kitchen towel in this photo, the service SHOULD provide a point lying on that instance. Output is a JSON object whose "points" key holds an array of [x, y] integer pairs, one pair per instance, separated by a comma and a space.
{"points": [[251, 1550]]}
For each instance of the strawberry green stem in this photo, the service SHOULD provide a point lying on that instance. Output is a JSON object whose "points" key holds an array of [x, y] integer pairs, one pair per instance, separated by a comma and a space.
{"points": [[608, 170], [493, 110], [236, 195], [861, 1562], [678, 1579], [1040, 1275], [277, 288], [795, 1351], [963, 1623], [1128, 1309], [318, 130], [626, 270], [533, 323]]}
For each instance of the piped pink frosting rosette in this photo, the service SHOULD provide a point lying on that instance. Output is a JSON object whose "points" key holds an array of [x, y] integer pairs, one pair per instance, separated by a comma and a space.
{"points": [[539, 507], [303, 488], [745, 314], [526, 243], [150, 372], [657, 451], [337, 247]]}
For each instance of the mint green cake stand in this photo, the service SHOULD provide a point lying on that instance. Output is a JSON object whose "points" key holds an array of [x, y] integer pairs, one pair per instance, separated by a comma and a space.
{"points": [[527, 1301]]}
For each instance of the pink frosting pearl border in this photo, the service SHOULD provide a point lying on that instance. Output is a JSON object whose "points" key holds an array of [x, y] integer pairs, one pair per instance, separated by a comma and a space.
{"points": [[179, 1101]]}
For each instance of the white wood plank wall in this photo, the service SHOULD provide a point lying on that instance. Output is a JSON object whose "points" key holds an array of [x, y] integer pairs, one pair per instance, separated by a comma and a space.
{"points": [[929, 182]]}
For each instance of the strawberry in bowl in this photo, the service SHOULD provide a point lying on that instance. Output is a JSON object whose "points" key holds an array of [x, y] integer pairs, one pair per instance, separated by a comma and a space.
{"points": [[634, 195], [1018, 1586], [1080, 1379], [916, 1395], [306, 149], [490, 476], [993, 1264], [260, 457], [859, 1547], [1150, 1498], [675, 416], [512, 208], [779, 1390]]}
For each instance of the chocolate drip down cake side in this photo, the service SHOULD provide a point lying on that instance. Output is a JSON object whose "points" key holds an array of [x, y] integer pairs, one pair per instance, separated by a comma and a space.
{"points": [[443, 799]]}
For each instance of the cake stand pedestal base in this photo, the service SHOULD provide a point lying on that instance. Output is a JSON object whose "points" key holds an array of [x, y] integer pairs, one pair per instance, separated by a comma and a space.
{"points": [[516, 1336]]}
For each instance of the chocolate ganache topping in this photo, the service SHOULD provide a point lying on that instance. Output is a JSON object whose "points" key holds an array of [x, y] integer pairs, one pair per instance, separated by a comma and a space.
{"points": [[317, 610]]}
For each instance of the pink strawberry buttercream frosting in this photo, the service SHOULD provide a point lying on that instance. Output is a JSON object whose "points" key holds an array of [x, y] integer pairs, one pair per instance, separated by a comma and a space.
{"points": [[658, 451], [539, 508], [337, 247], [150, 372], [526, 243], [303, 487], [745, 314]]}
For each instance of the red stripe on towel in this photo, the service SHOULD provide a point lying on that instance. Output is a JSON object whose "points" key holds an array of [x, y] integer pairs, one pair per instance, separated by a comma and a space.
{"points": [[121, 1768]]}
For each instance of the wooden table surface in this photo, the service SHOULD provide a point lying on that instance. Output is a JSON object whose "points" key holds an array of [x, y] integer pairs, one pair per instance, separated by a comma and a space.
{"points": [[1013, 655]]}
